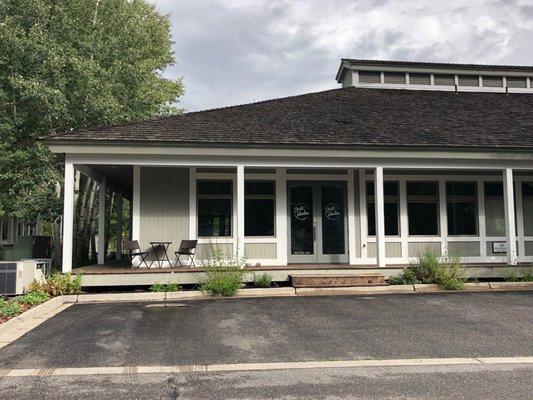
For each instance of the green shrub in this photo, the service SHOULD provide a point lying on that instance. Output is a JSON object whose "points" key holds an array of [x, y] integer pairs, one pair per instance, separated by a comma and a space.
{"points": [[34, 298], [224, 274], [169, 287], [451, 274], [510, 275], [10, 309], [448, 273], [263, 280], [527, 277], [59, 284]]}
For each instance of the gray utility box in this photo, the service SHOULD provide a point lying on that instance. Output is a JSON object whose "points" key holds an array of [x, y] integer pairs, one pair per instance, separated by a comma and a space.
{"points": [[27, 247], [16, 276]]}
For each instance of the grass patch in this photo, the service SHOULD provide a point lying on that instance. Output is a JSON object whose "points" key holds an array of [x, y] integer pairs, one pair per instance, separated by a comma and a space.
{"points": [[512, 276], [262, 280], [161, 287], [448, 272], [224, 274]]}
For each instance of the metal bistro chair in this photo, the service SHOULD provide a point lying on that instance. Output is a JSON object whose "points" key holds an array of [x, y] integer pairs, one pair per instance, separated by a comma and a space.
{"points": [[134, 250], [187, 248]]}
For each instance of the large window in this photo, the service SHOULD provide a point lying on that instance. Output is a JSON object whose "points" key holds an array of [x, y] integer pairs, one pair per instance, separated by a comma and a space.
{"points": [[461, 207], [259, 205], [527, 207], [390, 191], [423, 208], [214, 208], [494, 209]]}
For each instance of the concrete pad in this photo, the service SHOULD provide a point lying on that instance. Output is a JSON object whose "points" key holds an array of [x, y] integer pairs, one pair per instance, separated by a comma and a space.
{"points": [[476, 287], [356, 290], [266, 292], [121, 297], [427, 288], [511, 285]]}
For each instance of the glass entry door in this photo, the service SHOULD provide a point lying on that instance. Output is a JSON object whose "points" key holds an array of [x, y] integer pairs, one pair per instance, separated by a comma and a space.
{"points": [[317, 222]]}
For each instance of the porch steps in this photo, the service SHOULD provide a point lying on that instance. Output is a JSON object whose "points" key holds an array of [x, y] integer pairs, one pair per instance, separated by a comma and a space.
{"points": [[339, 280]]}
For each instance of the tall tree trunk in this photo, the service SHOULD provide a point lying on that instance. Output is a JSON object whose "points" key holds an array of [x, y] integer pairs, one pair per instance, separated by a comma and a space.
{"points": [[87, 234], [108, 230], [82, 220]]}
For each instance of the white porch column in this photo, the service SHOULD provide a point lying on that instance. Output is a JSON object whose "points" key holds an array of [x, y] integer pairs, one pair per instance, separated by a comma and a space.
{"points": [[508, 198], [281, 215], [101, 222], [380, 217], [136, 204], [351, 217], [118, 228], [68, 216], [240, 212]]}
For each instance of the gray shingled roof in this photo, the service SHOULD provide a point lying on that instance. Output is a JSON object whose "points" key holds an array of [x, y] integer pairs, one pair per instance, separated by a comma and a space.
{"points": [[348, 117]]}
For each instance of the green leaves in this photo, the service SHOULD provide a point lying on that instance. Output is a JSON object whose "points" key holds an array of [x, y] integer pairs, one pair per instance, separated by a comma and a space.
{"points": [[69, 64]]}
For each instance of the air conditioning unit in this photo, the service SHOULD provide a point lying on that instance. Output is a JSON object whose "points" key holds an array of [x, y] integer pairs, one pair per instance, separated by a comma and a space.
{"points": [[16, 276]]}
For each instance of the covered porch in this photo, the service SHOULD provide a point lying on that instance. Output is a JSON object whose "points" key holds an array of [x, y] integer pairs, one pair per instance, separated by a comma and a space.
{"points": [[285, 214]]}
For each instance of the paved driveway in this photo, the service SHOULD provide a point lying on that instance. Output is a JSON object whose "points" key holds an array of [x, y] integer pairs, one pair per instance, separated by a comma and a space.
{"points": [[280, 329]]}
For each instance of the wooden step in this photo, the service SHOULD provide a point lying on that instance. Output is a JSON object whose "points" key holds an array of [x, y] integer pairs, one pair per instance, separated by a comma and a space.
{"points": [[339, 280]]}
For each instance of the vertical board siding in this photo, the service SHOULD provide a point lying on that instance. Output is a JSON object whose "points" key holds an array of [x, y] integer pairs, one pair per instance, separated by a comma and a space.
{"points": [[164, 211], [260, 251], [392, 250], [204, 251], [417, 249], [464, 249], [529, 248]]}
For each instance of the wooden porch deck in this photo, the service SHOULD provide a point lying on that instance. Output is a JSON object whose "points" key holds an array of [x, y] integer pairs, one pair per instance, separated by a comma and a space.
{"points": [[120, 273]]}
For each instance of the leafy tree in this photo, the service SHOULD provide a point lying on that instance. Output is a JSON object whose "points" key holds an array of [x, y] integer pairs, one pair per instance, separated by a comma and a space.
{"points": [[70, 64]]}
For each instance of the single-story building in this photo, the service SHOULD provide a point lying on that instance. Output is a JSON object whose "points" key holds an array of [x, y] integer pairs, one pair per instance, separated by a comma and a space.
{"points": [[405, 157]]}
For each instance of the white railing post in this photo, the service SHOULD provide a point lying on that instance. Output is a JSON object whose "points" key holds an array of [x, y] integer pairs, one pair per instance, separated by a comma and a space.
{"points": [[281, 215], [380, 217], [350, 187], [240, 212], [508, 197], [136, 204], [68, 216]]}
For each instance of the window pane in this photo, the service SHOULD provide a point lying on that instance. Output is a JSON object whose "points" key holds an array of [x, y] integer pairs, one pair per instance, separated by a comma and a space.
{"points": [[259, 217], [391, 219], [527, 207], [214, 187], [494, 209], [423, 219], [259, 188], [214, 217], [462, 218], [389, 188], [461, 206], [422, 188]]}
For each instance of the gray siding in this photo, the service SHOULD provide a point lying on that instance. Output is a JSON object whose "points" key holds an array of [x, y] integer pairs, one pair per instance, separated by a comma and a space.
{"points": [[444, 80], [394, 77], [204, 251], [266, 251], [468, 80], [492, 81], [419, 79], [516, 82], [164, 214], [369, 77], [417, 249], [392, 250], [464, 249]]}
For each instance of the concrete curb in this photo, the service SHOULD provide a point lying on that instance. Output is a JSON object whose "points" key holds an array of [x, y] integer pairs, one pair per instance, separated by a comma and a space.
{"points": [[511, 285], [203, 368]]}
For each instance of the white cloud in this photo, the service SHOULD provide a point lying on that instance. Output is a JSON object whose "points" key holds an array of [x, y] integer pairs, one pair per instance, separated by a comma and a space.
{"points": [[237, 51]]}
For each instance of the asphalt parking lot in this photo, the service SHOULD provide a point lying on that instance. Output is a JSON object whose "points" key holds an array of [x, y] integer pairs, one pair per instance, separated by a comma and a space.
{"points": [[280, 329]]}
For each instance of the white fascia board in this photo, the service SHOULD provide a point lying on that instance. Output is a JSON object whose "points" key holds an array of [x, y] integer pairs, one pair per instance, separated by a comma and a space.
{"points": [[429, 163], [446, 71], [77, 152]]}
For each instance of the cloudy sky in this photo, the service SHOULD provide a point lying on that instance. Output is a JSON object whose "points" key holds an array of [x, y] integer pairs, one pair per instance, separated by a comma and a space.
{"points": [[238, 51]]}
